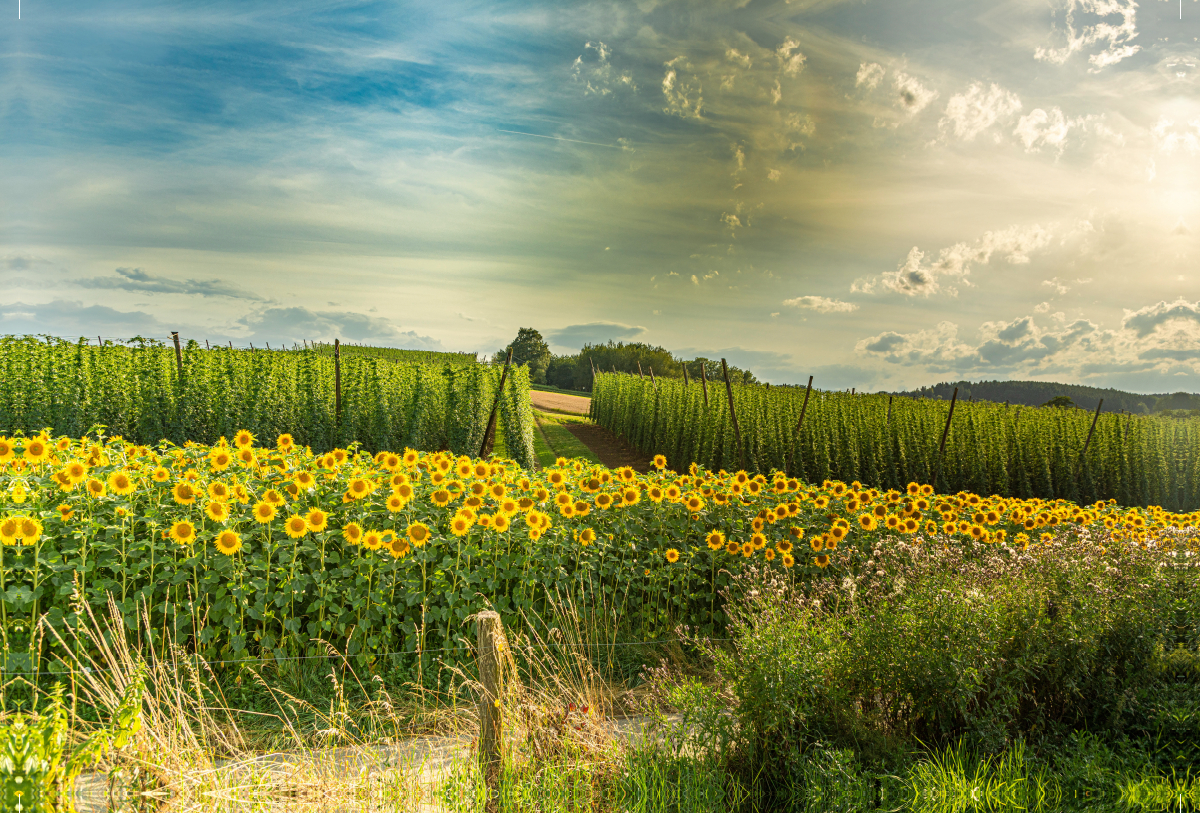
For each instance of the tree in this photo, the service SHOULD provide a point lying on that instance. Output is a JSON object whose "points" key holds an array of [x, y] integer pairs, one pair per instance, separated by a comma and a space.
{"points": [[529, 348], [1061, 401]]}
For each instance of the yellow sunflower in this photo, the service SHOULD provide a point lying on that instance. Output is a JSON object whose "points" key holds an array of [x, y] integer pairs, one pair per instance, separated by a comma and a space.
{"points": [[183, 532], [217, 511], [120, 483], [228, 542], [418, 533], [672, 554], [264, 511], [243, 439]]}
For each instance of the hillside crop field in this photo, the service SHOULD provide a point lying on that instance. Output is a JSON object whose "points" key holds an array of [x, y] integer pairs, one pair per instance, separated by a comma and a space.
{"points": [[887, 442], [140, 391], [246, 550]]}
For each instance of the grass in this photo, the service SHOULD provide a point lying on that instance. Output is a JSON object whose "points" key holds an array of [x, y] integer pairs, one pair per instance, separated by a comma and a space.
{"points": [[559, 441], [548, 388]]}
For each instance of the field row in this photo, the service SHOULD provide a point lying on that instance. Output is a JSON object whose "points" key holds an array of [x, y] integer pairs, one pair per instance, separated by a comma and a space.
{"points": [[245, 551], [1024, 452]]}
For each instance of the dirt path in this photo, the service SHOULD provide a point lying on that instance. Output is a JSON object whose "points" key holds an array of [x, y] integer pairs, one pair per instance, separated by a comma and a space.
{"points": [[613, 451], [426, 760], [574, 404]]}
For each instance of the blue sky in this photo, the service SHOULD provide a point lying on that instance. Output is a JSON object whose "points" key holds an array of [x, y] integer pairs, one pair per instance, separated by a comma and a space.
{"points": [[880, 193]]}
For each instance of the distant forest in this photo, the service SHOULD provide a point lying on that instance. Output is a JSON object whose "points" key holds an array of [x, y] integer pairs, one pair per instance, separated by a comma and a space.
{"points": [[1037, 393]]}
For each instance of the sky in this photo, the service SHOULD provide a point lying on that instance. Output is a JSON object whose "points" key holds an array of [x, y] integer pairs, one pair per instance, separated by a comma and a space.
{"points": [[882, 194]]}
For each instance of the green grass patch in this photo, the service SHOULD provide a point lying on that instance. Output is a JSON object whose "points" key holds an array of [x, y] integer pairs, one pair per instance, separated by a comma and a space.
{"points": [[548, 388], [559, 440]]}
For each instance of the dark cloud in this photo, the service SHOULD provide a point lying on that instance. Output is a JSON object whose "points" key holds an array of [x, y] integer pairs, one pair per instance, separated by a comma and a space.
{"points": [[135, 279], [292, 325], [73, 319], [576, 336], [1148, 319]]}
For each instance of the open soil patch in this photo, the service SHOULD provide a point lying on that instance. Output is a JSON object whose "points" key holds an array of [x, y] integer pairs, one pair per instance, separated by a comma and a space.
{"points": [[613, 451], [558, 402]]}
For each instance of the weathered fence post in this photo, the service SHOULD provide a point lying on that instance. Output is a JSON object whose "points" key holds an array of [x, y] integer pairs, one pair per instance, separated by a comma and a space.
{"points": [[207, 346], [704, 381], [888, 419], [685, 375], [486, 448], [652, 381], [640, 369], [737, 433], [337, 381], [489, 635], [945, 434], [99, 341], [178, 354]]}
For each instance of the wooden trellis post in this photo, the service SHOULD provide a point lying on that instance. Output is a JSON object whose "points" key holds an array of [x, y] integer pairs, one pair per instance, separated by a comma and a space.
{"points": [[737, 432], [804, 406], [337, 381], [704, 381], [945, 434], [489, 635], [178, 353]]}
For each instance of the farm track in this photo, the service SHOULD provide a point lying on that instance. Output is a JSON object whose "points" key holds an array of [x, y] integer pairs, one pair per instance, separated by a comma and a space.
{"points": [[613, 451], [557, 402], [432, 758]]}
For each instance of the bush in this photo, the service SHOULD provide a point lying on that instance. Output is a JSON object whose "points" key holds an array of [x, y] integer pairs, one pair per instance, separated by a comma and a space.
{"points": [[938, 649]]}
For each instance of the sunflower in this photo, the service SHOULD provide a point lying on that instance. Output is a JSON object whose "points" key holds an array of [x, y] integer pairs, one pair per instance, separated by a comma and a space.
{"points": [[358, 488], [784, 546], [892, 521], [184, 492], [352, 532], [65, 511], [264, 511], [36, 450], [183, 532], [29, 530], [418, 533], [587, 536], [769, 554], [9, 527], [285, 442], [228, 542], [788, 561], [821, 561], [120, 483], [75, 472], [243, 439], [218, 491], [372, 540], [217, 511], [672, 555], [673, 493], [440, 498], [500, 522], [715, 540], [7, 450], [694, 503], [817, 543], [747, 549], [604, 501], [160, 475], [759, 541], [567, 510], [95, 487], [866, 522], [398, 546], [660, 462], [246, 457], [220, 459], [631, 496], [460, 525]]}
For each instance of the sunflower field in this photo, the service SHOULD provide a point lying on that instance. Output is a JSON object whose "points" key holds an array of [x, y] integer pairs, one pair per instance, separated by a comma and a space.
{"points": [[240, 551], [1017, 451], [136, 390]]}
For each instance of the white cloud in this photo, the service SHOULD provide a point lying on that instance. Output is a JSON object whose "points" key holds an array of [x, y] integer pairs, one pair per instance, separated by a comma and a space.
{"points": [[870, 74], [1116, 33], [682, 89], [911, 96], [790, 58], [821, 304], [1041, 129], [1043, 307], [1178, 314], [595, 72], [773, 174], [972, 112], [916, 277], [738, 58], [1168, 138]]}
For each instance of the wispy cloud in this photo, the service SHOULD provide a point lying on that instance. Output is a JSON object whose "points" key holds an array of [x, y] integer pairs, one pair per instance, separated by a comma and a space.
{"points": [[135, 279], [821, 304]]}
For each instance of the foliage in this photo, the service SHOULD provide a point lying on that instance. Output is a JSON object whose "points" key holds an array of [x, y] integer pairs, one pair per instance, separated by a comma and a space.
{"points": [[39, 764], [242, 552], [1035, 393], [349, 350], [136, 391], [1061, 402], [887, 442], [528, 348]]}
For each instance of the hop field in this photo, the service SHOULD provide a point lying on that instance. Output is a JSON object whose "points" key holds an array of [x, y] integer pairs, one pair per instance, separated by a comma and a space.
{"points": [[239, 551]]}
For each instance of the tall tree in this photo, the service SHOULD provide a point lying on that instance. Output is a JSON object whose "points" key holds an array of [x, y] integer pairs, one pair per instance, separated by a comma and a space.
{"points": [[529, 348]]}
